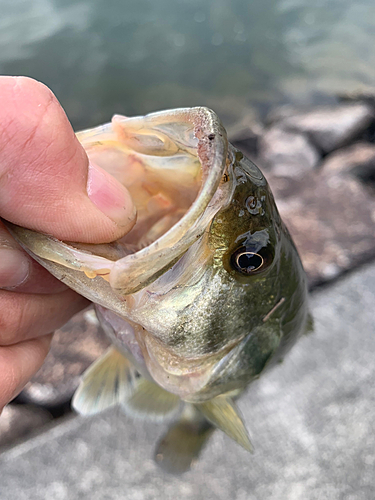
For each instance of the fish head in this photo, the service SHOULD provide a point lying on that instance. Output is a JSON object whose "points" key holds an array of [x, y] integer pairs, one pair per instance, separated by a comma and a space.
{"points": [[208, 283], [233, 304]]}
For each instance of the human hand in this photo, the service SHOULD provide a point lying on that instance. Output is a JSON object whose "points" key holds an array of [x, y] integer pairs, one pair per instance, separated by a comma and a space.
{"points": [[46, 184]]}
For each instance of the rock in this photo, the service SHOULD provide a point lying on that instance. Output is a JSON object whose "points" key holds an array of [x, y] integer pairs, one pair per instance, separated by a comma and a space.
{"points": [[331, 219], [74, 348], [357, 160], [280, 113], [367, 97], [245, 135], [18, 421], [287, 154], [328, 127], [329, 210]]}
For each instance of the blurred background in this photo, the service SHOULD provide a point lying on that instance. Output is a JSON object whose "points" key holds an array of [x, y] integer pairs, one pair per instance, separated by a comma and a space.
{"points": [[117, 56], [294, 83]]}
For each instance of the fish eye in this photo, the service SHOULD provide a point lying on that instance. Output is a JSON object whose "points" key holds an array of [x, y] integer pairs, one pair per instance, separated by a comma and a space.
{"points": [[247, 262]]}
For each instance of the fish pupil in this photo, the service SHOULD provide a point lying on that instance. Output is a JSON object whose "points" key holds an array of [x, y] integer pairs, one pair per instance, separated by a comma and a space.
{"points": [[250, 259], [248, 262]]}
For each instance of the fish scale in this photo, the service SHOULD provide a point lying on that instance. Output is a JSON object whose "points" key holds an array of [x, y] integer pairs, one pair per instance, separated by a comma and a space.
{"points": [[199, 306]]}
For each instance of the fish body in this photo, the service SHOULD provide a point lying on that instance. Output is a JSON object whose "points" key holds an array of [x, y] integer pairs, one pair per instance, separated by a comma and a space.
{"points": [[206, 290]]}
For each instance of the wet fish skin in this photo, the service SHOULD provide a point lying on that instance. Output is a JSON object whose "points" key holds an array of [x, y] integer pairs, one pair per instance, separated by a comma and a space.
{"points": [[263, 313], [213, 302], [270, 306]]}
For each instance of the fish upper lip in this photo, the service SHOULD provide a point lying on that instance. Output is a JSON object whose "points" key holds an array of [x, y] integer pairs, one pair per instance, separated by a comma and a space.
{"points": [[212, 154]]}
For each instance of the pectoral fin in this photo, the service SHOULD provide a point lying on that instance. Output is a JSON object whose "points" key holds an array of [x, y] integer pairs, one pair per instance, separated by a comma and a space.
{"points": [[150, 401], [222, 413], [107, 382]]}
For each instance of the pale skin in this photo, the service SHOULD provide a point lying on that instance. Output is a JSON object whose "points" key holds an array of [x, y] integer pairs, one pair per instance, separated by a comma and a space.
{"points": [[46, 184]]}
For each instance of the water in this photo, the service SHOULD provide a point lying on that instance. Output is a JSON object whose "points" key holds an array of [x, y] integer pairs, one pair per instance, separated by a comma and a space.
{"points": [[119, 56]]}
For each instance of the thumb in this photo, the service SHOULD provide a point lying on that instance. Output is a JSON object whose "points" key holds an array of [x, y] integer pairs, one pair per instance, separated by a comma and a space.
{"points": [[46, 183]]}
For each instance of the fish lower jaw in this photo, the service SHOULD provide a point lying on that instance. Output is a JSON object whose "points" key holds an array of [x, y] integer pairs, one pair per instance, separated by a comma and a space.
{"points": [[186, 386], [194, 380], [180, 376]]}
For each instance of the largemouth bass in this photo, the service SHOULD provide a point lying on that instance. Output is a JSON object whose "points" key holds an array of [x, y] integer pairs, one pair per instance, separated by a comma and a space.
{"points": [[203, 294]]}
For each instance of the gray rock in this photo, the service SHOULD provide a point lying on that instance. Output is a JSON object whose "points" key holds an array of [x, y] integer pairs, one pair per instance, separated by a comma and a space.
{"points": [[357, 160], [331, 219], [328, 127], [287, 154], [19, 421], [311, 418], [280, 113], [74, 347], [367, 96], [245, 135]]}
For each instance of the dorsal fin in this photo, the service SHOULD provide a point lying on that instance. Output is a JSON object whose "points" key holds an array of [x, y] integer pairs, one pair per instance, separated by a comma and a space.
{"points": [[223, 413]]}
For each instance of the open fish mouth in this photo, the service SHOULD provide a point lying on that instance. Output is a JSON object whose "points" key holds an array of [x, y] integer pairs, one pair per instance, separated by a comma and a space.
{"points": [[172, 164]]}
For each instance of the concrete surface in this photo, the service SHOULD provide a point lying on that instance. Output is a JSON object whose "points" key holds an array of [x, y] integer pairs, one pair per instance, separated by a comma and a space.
{"points": [[311, 420]]}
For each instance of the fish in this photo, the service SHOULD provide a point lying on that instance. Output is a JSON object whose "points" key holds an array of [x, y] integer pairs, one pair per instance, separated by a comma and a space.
{"points": [[200, 297]]}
